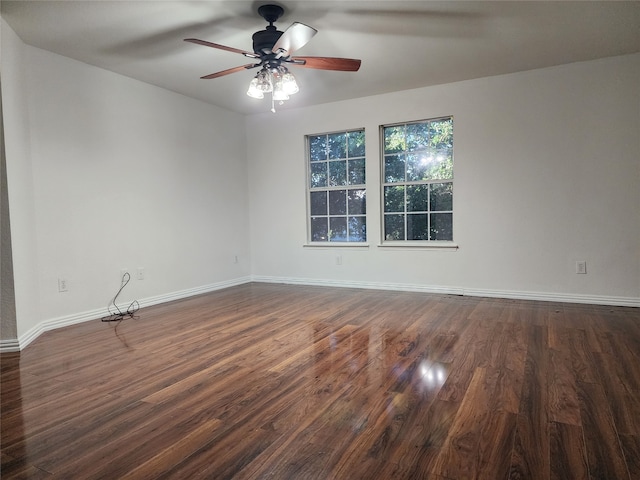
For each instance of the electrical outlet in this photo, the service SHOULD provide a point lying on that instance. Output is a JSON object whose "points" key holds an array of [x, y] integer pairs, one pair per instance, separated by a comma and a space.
{"points": [[338, 259], [235, 259], [62, 285], [140, 273], [581, 267]]}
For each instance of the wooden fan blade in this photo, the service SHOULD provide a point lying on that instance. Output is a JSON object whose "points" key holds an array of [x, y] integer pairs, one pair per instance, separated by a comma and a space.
{"points": [[293, 38], [328, 63], [230, 70], [221, 47]]}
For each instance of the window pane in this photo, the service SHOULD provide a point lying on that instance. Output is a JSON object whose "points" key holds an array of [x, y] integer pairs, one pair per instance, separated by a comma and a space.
{"points": [[338, 229], [417, 198], [417, 190], [357, 229], [441, 226], [417, 166], [356, 172], [394, 199], [439, 167], [318, 147], [318, 174], [337, 213], [417, 228], [337, 145], [318, 203], [441, 196], [441, 133], [394, 227], [394, 140], [338, 202], [319, 229], [417, 136], [356, 143], [338, 173], [357, 202], [394, 168]]}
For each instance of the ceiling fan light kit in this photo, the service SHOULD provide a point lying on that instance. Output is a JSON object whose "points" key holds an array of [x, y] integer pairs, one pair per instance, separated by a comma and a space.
{"points": [[278, 81], [273, 49]]}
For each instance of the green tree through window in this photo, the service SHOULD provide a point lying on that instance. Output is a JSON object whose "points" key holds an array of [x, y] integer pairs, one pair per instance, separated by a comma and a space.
{"points": [[417, 176], [337, 204]]}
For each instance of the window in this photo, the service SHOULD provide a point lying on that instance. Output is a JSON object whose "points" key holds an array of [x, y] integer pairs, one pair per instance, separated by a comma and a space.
{"points": [[417, 181], [337, 195]]}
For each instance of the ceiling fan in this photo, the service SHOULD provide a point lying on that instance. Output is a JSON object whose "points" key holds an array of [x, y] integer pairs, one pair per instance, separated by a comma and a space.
{"points": [[272, 51]]}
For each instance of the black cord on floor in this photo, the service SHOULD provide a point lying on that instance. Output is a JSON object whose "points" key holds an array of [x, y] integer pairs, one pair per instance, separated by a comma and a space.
{"points": [[118, 315]]}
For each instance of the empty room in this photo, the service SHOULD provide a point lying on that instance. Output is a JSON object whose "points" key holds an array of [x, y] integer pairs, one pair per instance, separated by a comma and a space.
{"points": [[320, 240]]}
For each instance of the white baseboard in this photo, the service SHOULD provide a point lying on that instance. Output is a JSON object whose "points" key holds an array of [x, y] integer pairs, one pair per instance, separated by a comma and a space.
{"points": [[557, 297], [403, 287], [191, 292], [15, 345], [472, 292], [9, 346]]}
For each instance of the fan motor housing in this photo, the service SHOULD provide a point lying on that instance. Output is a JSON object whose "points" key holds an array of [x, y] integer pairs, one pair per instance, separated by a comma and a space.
{"points": [[264, 40]]}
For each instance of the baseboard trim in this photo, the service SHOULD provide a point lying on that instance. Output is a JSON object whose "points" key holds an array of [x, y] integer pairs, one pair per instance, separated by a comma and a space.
{"points": [[11, 345], [472, 292], [557, 297], [354, 284], [192, 292], [15, 345]]}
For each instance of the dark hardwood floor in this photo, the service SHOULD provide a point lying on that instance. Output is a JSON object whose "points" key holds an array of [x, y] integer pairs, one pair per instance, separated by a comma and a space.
{"points": [[274, 381]]}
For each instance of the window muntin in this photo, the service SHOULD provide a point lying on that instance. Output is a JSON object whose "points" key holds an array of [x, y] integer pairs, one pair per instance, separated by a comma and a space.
{"points": [[417, 181], [336, 187]]}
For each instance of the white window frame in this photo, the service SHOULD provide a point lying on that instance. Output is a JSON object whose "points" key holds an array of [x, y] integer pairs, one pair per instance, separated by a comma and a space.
{"points": [[328, 188], [404, 243]]}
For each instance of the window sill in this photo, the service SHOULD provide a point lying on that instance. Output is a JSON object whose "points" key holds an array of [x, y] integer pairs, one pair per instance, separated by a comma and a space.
{"points": [[336, 244], [419, 245]]}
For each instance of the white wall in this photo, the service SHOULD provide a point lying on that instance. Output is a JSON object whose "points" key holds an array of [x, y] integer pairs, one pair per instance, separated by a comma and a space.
{"points": [[547, 172], [106, 172], [20, 187], [124, 174]]}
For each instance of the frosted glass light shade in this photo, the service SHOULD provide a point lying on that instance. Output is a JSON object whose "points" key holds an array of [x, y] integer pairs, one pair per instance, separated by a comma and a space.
{"points": [[254, 91]]}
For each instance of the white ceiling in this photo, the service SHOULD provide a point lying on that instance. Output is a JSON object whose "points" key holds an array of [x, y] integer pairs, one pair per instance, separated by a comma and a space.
{"points": [[402, 44]]}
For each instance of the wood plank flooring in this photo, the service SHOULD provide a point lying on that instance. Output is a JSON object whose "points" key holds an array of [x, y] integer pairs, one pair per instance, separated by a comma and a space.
{"points": [[293, 382]]}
